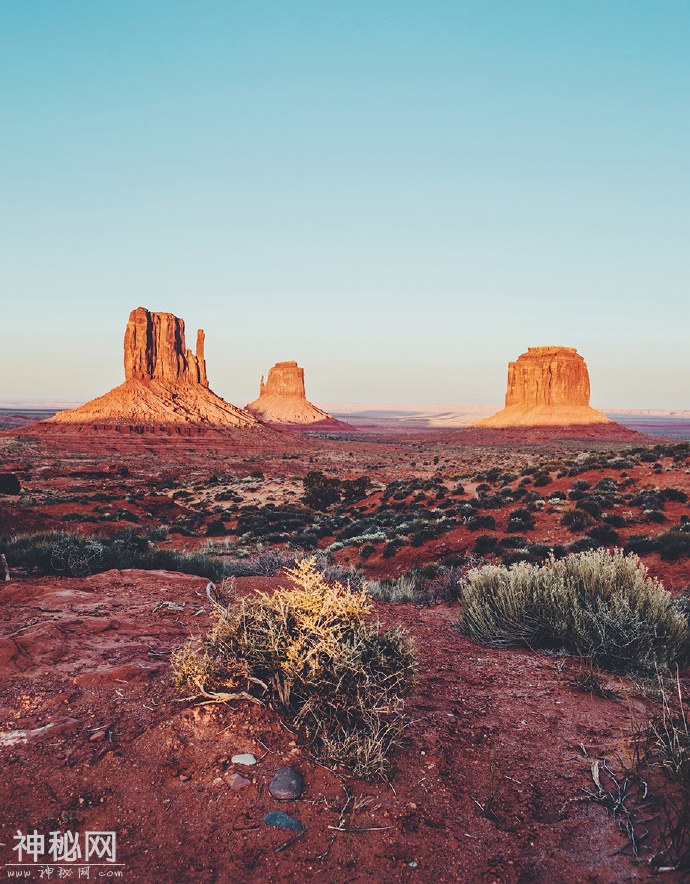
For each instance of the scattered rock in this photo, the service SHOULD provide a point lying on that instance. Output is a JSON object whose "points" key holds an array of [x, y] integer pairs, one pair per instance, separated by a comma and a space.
{"points": [[63, 726], [238, 782], [243, 758], [129, 672], [287, 784], [283, 821]]}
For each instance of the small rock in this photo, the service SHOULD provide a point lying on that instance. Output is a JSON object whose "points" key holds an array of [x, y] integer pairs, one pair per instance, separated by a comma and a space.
{"points": [[283, 820], [243, 758], [185, 777], [287, 784], [237, 782]]}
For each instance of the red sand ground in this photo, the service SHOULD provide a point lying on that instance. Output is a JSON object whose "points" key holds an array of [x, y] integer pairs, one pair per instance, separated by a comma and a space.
{"points": [[488, 786], [490, 778]]}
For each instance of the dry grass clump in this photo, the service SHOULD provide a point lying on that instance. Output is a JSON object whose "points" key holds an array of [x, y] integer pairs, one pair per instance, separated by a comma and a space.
{"points": [[310, 653], [599, 605], [669, 738]]}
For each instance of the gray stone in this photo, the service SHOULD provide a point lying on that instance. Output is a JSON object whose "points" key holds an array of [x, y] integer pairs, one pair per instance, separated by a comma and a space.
{"points": [[283, 820], [243, 758], [287, 784], [237, 782]]}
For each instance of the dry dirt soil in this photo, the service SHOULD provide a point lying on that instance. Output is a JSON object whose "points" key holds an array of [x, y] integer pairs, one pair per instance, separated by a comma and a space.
{"points": [[489, 784]]}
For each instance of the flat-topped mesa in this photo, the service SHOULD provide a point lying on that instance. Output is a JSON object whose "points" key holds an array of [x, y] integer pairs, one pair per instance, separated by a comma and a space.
{"points": [[547, 386], [155, 349], [165, 384], [283, 400], [284, 379]]}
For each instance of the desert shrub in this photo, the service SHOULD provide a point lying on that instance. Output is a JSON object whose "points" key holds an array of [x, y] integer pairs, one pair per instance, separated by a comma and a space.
{"points": [[77, 555], [494, 501], [591, 506], [517, 541], [485, 543], [479, 523], [159, 533], [355, 489], [576, 520], [390, 549], [671, 545], [598, 605], [320, 491], [311, 654], [583, 544], [675, 494], [216, 528], [422, 586], [674, 544], [406, 588], [9, 484], [520, 520], [265, 563], [649, 500], [581, 485], [604, 534]]}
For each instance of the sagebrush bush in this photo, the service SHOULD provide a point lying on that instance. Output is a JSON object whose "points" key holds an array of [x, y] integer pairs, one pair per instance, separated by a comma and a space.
{"points": [[310, 653], [440, 584], [598, 605], [78, 555]]}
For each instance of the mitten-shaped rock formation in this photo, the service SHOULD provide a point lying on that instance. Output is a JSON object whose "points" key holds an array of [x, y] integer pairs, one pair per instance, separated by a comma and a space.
{"points": [[547, 386], [165, 383], [155, 350], [282, 399]]}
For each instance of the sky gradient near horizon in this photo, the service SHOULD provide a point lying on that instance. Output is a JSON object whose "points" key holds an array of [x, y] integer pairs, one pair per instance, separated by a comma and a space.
{"points": [[402, 196]]}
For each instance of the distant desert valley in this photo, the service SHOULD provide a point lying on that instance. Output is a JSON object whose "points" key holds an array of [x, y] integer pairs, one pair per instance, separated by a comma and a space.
{"points": [[295, 641]]}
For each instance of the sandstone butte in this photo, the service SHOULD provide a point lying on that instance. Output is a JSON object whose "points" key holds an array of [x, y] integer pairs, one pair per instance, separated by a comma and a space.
{"points": [[547, 386], [165, 383], [283, 400]]}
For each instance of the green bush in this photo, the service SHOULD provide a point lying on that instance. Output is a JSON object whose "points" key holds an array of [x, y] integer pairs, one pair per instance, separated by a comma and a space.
{"points": [[576, 520], [597, 605], [320, 491], [310, 653], [9, 484], [77, 555]]}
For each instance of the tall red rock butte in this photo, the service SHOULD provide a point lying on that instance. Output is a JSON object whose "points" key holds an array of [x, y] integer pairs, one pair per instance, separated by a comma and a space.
{"points": [[283, 400], [165, 383], [547, 386]]}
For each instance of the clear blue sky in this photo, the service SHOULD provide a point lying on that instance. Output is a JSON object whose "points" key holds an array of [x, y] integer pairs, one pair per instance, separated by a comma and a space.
{"points": [[403, 196]]}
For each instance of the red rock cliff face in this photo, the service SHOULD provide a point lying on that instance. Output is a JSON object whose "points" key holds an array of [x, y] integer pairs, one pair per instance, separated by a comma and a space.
{"points": [[166, 384], [547, 386], [548, 376], [284, 379], [155, 349]]}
